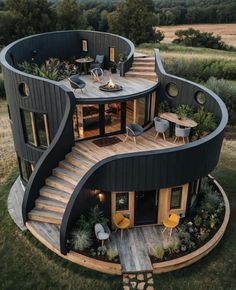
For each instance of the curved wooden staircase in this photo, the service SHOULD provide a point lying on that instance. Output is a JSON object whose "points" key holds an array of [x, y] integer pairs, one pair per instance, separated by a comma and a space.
{"points": [[55, 194], [143, 67]]}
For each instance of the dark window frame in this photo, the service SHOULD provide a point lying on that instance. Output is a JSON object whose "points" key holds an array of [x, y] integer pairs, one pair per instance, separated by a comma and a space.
{"points": [[175, 189], [28, 168]]}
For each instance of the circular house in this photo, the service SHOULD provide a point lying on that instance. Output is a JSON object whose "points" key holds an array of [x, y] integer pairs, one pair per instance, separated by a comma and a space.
{"points": [[94, 126]]}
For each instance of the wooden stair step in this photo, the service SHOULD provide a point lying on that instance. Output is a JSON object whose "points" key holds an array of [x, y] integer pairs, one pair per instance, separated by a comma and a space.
{"points": [[143, 64], [76, 170], [60, 184], [66, 175], [45, 216], [54, 194], [47, 203], [144, 59], [142, 69], [84, 154], [77, 161]]}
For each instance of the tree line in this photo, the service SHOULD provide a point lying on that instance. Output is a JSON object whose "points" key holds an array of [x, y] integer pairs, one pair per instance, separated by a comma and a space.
{"points": [[134, 19]]}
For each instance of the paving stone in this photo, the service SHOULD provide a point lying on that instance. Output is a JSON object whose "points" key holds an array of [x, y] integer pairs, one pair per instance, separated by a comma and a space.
{"points": [[150, 281], [149, 275], [133, 284], [150, 288], [140, 277], [126, 280], [132, 276], [126, 288], [141, 286]]}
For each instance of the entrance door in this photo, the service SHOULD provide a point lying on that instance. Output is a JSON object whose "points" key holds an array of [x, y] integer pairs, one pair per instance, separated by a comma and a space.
{"points": [[145, 210]]}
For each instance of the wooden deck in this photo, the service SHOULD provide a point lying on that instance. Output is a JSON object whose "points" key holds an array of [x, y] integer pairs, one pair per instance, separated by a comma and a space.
{"points": [[14, 203], [145, 142], [133, 249], [130, 86]]}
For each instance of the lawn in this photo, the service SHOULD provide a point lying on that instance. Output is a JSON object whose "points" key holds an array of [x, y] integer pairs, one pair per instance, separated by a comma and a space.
{"points": [[27, 264]]}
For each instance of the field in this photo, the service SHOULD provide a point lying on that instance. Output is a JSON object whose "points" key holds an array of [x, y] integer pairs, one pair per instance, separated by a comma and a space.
{"points": [[27, 264], [226, 31]]}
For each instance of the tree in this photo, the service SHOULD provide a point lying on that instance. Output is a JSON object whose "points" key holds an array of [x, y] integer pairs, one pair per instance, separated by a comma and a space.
{"points": [[8, 22], [134, 20], [69, 15], [34, 16]]}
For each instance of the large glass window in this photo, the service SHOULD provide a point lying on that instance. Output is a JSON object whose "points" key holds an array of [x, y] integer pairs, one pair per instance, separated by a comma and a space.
{"points": [[176, 197], [41, 129], [86, 121], [122, 201], [26, 168], [28, 125], [112, 117], [35, 127]]}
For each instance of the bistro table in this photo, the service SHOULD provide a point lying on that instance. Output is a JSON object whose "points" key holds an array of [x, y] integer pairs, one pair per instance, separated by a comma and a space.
{"points": [[174, 119], [84, 64]]}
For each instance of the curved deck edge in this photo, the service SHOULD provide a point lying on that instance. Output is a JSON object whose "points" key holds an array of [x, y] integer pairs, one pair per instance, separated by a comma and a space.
{"points": [[162, 267], [195, 256], [93, 264]]}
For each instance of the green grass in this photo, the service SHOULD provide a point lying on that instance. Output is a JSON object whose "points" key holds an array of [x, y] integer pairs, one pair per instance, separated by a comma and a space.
{"points": [[173, 50], [27, 264]]}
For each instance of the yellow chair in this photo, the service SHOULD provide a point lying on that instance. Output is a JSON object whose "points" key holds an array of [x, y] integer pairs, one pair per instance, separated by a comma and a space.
{"points": [[121, 222], [171, 223]]}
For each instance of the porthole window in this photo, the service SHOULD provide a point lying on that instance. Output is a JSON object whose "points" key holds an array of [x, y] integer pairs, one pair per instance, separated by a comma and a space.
{"points": [[200, 98], [172, 90], [24, 90]]}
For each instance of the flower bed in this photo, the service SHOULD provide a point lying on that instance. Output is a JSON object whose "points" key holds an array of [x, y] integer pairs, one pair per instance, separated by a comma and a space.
{"points": [[196, 231]]}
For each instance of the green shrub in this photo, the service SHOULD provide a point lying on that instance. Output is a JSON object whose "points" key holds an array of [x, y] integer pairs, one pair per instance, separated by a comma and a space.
{"points": [[2, 88], [172, 246], [96, 216], [184, 111], [196, 38], [157, 251], [227, 92], [201, 70], [81, 239], [164, 107], [206, 123], [197, 220], [111, 254]]}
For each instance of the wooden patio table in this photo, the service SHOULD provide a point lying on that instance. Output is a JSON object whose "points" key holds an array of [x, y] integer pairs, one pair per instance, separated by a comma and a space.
{"points": [[84, 63], [174, 119]]}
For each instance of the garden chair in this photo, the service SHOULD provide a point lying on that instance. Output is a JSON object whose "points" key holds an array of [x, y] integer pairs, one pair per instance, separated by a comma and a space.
{"points": [[121, 223], [171, 223], [182, 132], [161, 126], [133, 131], [76, 83], [97, 74], [100, 233], [98, 63]]}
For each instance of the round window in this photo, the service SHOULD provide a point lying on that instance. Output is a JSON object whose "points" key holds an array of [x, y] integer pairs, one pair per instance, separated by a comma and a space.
{"points": [[172, 90], [24, 90], [200, 98]]}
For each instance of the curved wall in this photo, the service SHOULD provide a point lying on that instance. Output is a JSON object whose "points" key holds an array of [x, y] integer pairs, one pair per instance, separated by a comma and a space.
{"points": [[158, 168]]}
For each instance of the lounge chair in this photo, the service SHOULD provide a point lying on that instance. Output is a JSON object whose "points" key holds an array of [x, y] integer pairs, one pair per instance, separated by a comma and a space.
{"points": [[76, 83], [98, 63], [133, 131], [100, 233], [171, 223], [121, 223]]}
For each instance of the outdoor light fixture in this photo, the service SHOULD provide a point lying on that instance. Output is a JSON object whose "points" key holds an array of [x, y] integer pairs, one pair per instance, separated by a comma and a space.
{"points": [[33, 54]]}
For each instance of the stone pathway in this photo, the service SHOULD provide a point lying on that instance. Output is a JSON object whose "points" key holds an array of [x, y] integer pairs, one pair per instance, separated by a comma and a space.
{"points": [[140, 281]]}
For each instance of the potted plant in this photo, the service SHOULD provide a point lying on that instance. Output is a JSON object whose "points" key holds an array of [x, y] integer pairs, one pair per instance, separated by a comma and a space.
{"points": [[184, 111], [206, 123], [113, 67]]}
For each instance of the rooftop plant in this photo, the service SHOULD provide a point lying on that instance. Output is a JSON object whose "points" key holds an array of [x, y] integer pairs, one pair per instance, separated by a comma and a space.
{"points": [[206, 122], [52, 68], [184, 111]]}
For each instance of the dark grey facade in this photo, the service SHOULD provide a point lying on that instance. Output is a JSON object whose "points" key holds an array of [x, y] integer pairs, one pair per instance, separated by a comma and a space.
{"points": [[135, 171]]}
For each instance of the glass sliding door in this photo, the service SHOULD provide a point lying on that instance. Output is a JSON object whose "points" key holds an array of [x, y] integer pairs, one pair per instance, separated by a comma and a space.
{"points": [[86, 121], [112, 117]]}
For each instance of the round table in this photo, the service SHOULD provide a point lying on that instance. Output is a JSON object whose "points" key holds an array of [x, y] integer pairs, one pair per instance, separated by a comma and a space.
{"points": [[84, 63]]}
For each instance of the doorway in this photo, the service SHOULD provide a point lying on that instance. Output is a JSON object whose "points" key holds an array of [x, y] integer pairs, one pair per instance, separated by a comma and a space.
{"points": [[145, 209]]}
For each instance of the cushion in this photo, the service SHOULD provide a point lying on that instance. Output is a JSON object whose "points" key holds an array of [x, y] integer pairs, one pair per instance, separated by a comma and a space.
{"points": [[99, 58], [102, 236]]}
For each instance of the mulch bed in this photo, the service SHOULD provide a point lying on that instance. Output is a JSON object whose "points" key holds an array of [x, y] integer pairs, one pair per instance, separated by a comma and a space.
{"points": [[107, 141]]}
